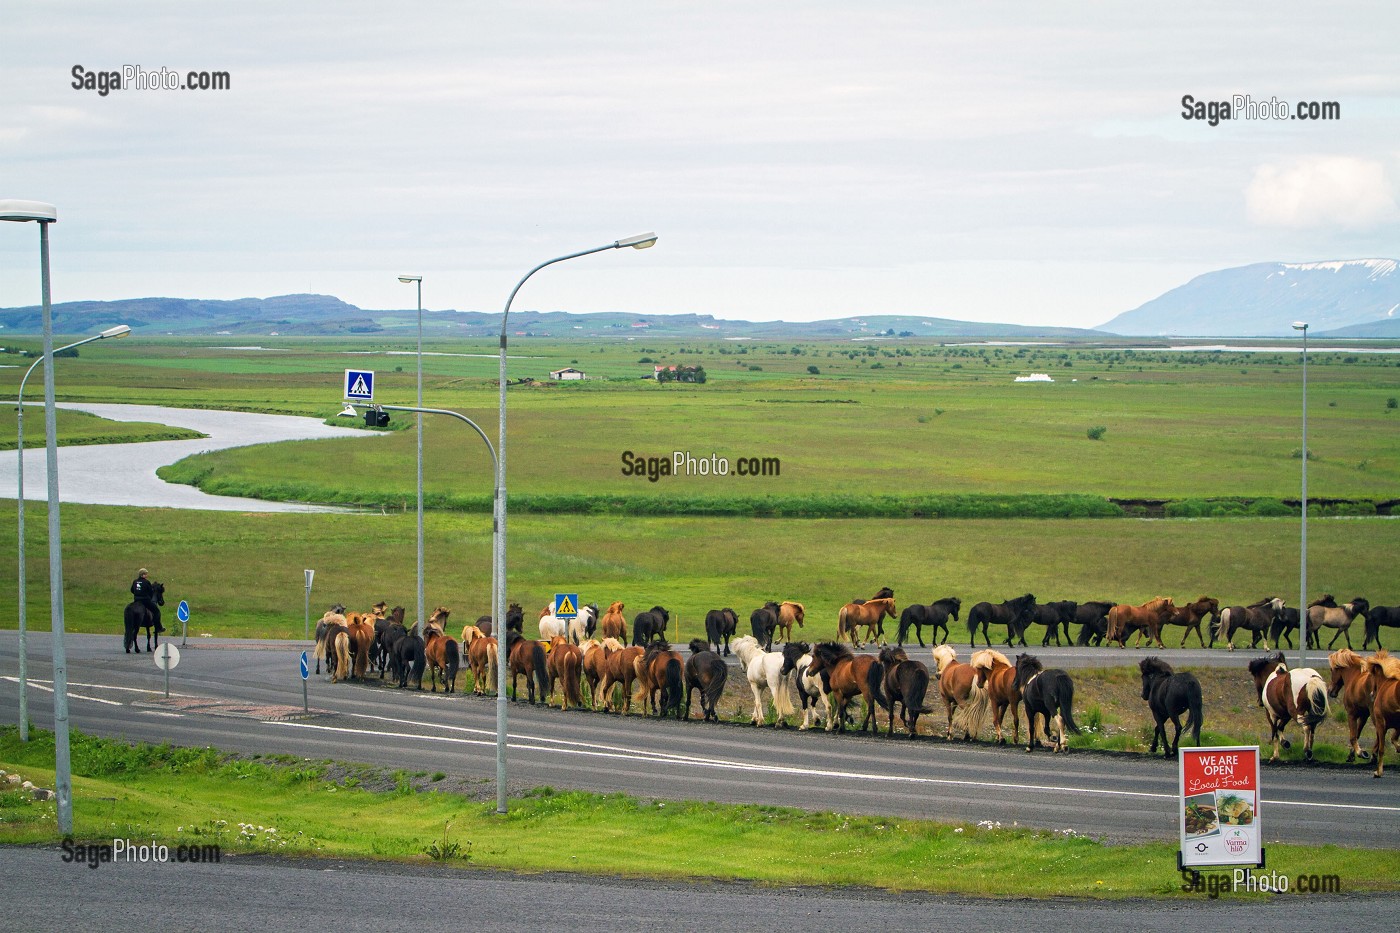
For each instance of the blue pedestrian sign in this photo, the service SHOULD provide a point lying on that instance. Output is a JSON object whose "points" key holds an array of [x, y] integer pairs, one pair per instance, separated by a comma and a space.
{"points": [[305, 667], [182, 611], [566, 605], [359, 385]]}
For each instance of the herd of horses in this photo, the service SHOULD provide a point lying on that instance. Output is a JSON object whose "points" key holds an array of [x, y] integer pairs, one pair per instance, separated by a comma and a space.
{"points": [[589, 663]]}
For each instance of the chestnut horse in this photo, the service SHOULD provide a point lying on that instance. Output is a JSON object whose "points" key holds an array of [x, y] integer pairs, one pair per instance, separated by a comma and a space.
{"points": [[565, 662], [1351, 685], [788, 613], [1287, 695], [957, 682], [594, 655], [481, 654], [1384, 673], [846, 675], [613, 624], [997, 677], [526, 656], [871, 614], [442, 655], [1190, 616], [361, 629], [660, 681], [1147, 618], [619, 669]]}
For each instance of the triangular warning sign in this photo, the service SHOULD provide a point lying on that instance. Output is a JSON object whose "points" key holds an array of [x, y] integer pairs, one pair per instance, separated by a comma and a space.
{"points": [[359, 388], [565, 607]]}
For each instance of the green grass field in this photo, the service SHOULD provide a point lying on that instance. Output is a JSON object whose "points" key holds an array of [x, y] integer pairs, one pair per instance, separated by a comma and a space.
{"points": [[76, 428]]}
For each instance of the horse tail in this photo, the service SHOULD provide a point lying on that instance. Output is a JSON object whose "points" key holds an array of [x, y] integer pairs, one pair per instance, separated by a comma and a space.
{"points": [[1066, 703], [875, 680], [1317, 698], [782, 697], [1193, 707], [976, 712], [451, 661], [918, 689], [342, 656], [1222, 623], [841, 623], [715, 689], [572, 676], [540, 674]]}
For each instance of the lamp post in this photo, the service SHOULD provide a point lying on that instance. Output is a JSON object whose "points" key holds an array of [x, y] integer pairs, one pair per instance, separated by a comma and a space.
{"points": [[418, 280], [640, 241], [1303, 560], [121, 330], [45, 214]]}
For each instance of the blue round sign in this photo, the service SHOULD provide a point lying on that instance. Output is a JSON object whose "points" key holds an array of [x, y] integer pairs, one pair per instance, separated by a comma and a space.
{"points": [[305, 667], [182, 612]]}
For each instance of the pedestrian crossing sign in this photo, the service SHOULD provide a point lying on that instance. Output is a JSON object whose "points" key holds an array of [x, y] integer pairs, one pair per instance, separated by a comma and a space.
{"points": [[359, 385], [566, 605]]}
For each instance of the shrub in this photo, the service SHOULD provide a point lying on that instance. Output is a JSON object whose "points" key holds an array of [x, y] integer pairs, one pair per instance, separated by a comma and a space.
{"points": [[815, 371], [1096, 433], [1392, 402]]}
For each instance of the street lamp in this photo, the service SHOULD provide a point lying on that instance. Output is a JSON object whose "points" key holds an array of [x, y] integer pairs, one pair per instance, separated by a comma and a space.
{"points": [[121, 330], [1303, 564], [45, 214], [418, 280], [640, 241]]}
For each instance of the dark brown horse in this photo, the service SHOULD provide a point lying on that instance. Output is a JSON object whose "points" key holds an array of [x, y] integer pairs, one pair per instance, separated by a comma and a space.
{"points": [[1190, 616], [526, 656], [957, 682], [1168, 695], [720, 625], [1384, 673], [997, 677], [660, 680], [704, 671], [1351, 685], [906, 684], [1258, 617], [870, 613], [936, 615], [1010, 613], [1288, 695], [847, 675], [1146, 619], [763, 621], [443, 658], [1092, 617], [1376, 617], [1047, 693]]}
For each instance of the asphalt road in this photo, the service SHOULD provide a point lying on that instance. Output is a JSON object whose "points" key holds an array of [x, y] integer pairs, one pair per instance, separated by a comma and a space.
{"points": [[246, 697], [270, 895]]}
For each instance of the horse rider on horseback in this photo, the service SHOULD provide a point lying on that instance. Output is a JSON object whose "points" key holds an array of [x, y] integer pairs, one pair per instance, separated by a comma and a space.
{"points": [[144, 592]]}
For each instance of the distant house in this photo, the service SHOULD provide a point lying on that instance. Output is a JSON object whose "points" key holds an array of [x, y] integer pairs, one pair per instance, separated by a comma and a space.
{"points": [[566, 374], [1034, 377]]}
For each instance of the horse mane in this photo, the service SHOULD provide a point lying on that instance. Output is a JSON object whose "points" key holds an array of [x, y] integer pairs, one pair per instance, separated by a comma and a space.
{"points": [[1344, 658], [698, 645], [1155, 665], [1028, 661], [832, 651], [612, 644], [944, 655], [1382, 665], [1326, 600], [880, 599], [1265, 664], [988, 658], [892, 654]]}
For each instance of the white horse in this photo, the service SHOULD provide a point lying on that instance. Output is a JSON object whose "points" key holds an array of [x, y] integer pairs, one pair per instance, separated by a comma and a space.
{"points": [[764, 669], [582, 627], [551, 626]]}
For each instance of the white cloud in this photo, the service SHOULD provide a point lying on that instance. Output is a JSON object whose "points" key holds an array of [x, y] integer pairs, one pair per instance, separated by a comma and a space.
{"points": [[1322, 191]]}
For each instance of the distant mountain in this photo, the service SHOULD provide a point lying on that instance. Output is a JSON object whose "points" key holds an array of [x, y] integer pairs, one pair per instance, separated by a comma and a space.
{"points": [[325, 315], [1354, 298]]}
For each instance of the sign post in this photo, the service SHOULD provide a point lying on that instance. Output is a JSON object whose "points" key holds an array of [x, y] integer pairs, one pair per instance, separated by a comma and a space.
{"points": [[359, 385], [182, 612], [566, 605], [1218, 813], [167, 656], [305, 675], [306, 629]]}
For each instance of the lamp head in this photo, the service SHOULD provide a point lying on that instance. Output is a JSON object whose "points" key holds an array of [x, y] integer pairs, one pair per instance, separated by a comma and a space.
{"points": [[1300, 325], [349, 412], [121, 330], [640, 241], [409, 279], [22, 211]]}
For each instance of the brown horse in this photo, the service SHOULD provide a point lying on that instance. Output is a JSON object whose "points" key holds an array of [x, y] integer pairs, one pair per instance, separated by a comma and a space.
{"points": [[619, 669], [871, 614], [957, 682], [333, 616], [1190, 616], [1337, 617], [361, 629], [906, 684], [660, 684], [848, 674], [1384, 673], [442, 655], [613, 624], [438, 618], [1148, 618], [1258, 617], [337, 651], [1351, 685], [1288, 695], [997, 677], [788, 613], [565, 663], [481, 653], [594, 655], [526, 656]]}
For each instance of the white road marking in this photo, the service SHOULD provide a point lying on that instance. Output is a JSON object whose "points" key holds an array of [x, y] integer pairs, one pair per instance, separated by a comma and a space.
{"points": [[74, 683], [71, 695]]}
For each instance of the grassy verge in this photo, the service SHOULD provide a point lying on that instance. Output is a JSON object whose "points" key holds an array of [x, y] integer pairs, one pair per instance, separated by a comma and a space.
{"points": [[302, 808], [77, 428]]}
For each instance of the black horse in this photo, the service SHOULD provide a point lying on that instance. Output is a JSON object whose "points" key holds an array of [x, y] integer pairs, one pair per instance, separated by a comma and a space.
{"points": [[935, 614], [139, 615], [650, 624], [1093, 622], [389, 644], [1284, 625], [1168, 695], [1389, 616], [704, 671], [1052, 616], [720, 625], [409, 660], [1009, 613], [515, 619], [906, 684], [764, 622], [1049, 694]]}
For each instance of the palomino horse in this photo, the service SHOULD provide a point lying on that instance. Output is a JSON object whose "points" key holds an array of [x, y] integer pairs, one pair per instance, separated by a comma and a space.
{"points": [[1384, 674], [1190, 616], [957, 682], [720, 625], [1147, 618], [764, 669], [1351, 685], [481, 654], [565, 663], [935, 614], [1009, 613], [790, 613], [811, 692], [1377, 616], [619, 669], [1257, 617], [1049, 694], [871, 614], [660, 679], [1168, 695], [1287, 695], [997, 678], [1337, 617], [613, 624], [848, 674], [442, 656], [906, 684], [526, 656], [704, 671], [763, 622], [1053, 616]]}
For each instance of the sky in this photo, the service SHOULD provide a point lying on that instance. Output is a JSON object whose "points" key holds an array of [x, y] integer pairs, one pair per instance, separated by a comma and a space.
{"points": [[1012, 162]]}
